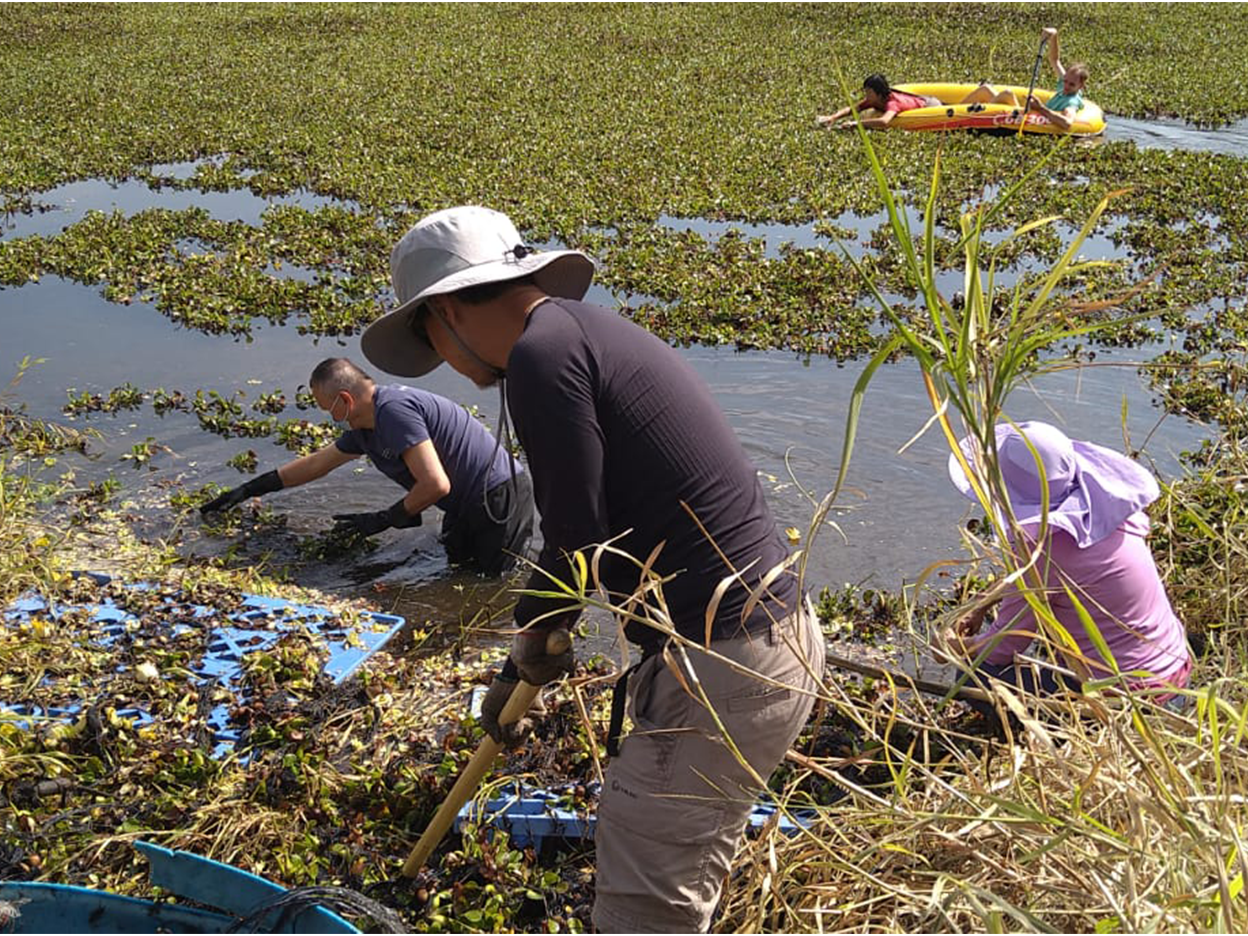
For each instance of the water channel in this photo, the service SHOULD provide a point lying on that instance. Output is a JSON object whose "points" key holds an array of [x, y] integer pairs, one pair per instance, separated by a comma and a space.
{"points": [[900, 513]]}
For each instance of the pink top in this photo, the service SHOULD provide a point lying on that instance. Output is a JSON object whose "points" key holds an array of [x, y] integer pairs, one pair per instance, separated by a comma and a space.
{"points": [[1116, 581], [899, 101]]}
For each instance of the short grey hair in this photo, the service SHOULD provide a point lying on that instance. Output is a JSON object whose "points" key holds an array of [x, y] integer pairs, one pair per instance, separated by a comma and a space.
{"points": [[339, 373]]}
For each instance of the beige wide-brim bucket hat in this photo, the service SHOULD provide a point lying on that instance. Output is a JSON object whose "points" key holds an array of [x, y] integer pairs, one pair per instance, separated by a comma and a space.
{"points": [[451, 250]]}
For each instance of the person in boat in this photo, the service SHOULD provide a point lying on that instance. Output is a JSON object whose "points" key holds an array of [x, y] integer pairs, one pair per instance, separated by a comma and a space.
{"points": [[879, 105], [431, 447], [1062, 108], [1094, 557], [626, 446]]}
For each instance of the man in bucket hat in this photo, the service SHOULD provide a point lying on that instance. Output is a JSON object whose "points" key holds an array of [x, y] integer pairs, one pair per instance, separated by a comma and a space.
{"points": [[626, 445], [1093, 560]]}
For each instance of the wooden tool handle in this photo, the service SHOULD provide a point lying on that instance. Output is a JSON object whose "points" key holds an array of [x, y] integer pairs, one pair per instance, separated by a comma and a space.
{"points": [[557, 641]]}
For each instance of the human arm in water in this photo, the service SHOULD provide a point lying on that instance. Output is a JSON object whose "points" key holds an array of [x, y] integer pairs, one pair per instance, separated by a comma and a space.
{"points": [[292, 474], [430, 484]]}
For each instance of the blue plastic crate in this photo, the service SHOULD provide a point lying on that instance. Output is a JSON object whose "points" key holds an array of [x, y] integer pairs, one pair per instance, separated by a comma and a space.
{"points": [[258, 625], [531, 815]]}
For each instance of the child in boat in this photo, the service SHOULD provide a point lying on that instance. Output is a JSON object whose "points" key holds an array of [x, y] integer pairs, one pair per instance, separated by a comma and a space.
{"points": [[879, 105], [1062, 108], [1094, 556]]}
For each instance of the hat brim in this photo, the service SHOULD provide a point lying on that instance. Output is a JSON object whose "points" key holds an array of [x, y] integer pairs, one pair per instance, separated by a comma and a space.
{"points": [[1109, 487], [969, 449], [391, 343]]}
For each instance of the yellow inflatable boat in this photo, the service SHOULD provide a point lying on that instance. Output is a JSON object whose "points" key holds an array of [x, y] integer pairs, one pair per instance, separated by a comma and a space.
{"points": [[953, 115]]}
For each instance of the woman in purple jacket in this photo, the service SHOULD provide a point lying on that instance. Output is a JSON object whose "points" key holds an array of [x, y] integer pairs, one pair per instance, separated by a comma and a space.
{"points": [[1094, 556]]}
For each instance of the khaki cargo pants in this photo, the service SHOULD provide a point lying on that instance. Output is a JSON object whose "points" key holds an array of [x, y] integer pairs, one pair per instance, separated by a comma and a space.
{"points": [[666, 835]]}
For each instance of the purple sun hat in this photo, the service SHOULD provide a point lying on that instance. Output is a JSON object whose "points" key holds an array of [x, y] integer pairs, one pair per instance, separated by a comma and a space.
{"points": [[1092, 489]]}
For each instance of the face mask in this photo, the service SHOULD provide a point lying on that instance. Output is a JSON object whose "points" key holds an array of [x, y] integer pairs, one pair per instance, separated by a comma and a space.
{"points": [[344, 424]]}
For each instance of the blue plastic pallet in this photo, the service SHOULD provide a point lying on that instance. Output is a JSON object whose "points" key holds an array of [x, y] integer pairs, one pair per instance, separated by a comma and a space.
{"points": [[257, 626], [533, 815]]}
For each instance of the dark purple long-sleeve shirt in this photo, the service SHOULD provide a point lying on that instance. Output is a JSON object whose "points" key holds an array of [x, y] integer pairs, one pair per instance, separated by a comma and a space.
{"points": [[619, 430]]}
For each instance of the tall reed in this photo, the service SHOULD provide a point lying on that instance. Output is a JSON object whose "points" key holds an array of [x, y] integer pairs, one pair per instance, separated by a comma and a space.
{"points": [[1101, 815]]}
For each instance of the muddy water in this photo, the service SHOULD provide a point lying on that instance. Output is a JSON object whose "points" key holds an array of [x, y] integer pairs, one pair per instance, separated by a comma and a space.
{"points": [[899, 515]]}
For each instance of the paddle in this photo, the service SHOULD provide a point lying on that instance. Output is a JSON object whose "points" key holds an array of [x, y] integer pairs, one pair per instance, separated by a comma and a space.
{"points": [[1035, 72]]}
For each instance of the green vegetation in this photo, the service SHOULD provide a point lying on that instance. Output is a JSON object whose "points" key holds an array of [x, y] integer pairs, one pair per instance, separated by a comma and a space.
{"points": [[588, 125], [642, 112], [339, 779], [1099, 788]]}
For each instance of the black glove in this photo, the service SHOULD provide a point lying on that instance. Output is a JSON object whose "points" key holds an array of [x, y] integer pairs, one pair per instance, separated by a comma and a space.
{"points": [[256, 487], [512, 735], [530, 661], [374, 521]]}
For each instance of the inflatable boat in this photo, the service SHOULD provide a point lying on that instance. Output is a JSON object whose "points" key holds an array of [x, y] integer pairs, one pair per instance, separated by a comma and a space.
{"points": [[953, 115]]}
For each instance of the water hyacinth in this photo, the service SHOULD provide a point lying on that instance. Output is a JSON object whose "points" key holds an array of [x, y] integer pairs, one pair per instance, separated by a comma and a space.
{"points": [[581, 169], [645, 140]]}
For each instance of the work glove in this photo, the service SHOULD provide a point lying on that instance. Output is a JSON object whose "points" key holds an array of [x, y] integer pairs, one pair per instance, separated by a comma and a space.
{"points": [[374, 521], [513, 735], [256, 487], [531, 661]]}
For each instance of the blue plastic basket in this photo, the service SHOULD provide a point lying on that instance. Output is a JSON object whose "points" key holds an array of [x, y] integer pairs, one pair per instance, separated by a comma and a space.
{"points": [[531, 815], [258, 625]]}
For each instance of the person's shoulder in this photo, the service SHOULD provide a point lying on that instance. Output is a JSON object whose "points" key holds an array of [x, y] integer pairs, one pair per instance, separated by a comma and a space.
{"points": [[554, 337], [402, 394], [1138, 525], [388, 393], [562, 315], [398, 402]]}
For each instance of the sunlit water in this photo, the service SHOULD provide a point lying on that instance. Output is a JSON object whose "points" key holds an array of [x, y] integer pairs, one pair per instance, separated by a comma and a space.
{"points": [[1231, 140], [900, 512]]}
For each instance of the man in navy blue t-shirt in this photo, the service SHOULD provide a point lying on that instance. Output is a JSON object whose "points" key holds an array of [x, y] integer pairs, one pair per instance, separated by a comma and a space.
{"points": [[432, 448]]}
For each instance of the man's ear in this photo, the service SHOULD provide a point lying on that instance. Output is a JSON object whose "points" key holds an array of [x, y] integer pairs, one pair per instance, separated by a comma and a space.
{"points": [[444, 307]]}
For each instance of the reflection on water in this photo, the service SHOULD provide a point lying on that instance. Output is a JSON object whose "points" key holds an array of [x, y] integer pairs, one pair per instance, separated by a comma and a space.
{"points": [[68, 204], [1178, 135], [899, 515]]}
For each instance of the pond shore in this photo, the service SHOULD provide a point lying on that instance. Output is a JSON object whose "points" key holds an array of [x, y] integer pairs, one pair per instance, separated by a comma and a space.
{"points": [[335, 789]]}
